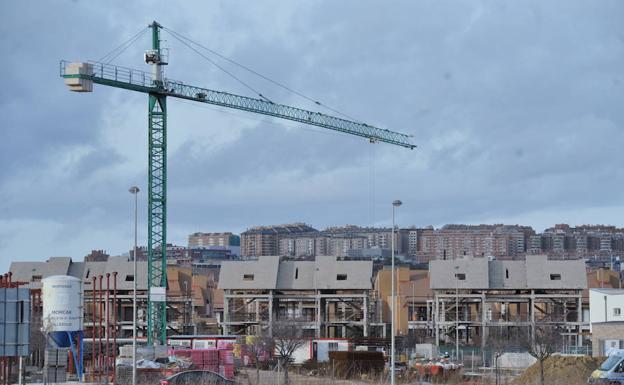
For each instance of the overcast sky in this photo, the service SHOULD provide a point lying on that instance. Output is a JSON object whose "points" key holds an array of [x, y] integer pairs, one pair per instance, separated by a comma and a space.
{"points": [[517, 109]]}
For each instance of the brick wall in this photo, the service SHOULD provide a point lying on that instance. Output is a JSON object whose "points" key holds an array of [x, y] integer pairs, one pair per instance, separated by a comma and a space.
{"points": [[606, 331]]}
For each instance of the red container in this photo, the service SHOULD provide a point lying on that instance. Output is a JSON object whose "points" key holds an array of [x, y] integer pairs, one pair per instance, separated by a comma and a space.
{"points": [[225, 344], [227, 371], [226, 357]]}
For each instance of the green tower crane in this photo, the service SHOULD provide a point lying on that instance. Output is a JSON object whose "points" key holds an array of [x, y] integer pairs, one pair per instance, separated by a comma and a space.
{"points": [[80, 77]]}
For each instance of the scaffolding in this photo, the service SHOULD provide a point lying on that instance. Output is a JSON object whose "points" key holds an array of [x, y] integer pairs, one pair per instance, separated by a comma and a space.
{"points": [[320, 313]]}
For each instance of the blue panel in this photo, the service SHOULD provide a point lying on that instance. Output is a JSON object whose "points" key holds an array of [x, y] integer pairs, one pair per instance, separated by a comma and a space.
{"points": [[14, 321]]}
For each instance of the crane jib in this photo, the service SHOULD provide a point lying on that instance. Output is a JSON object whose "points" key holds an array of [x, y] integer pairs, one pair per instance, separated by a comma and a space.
{"points": [[81, 76]]}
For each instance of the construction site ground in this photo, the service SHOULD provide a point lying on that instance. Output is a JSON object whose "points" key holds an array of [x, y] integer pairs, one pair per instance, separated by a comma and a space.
{"points": [[561, 370], [558, 370]]}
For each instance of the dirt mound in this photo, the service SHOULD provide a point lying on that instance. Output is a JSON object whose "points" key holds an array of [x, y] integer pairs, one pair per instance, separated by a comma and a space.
{"points": [[560, 370]]}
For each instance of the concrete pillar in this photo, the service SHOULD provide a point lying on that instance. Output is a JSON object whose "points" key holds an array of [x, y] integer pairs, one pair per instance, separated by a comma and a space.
{"points": [[226, 314], [579, 320], [365, 306], [532, 313], [484, 331], [271, 313], [436, 320], [317, 332]]}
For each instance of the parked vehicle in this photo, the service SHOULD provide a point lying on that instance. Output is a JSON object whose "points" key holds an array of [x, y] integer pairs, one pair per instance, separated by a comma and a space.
{"points": [[611, 371], [196, 377]]}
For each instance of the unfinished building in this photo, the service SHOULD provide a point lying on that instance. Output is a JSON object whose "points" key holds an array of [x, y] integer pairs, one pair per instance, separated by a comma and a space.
{"points": [[472, 296], [325, 297]]}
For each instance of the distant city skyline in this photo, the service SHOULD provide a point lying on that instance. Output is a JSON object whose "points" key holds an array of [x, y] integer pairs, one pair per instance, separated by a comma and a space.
{"points": [[191, 240]]}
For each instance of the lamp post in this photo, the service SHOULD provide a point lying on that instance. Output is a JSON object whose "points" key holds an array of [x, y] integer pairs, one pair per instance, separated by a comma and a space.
{"points": [[456, 313], [134, 190], [395, 204]]}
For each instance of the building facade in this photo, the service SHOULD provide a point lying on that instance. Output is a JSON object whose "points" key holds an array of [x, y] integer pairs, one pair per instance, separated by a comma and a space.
{"points": [[458, 241], [326, 298], [606, 307], [207, 240], [265, 240], [474, 295]]}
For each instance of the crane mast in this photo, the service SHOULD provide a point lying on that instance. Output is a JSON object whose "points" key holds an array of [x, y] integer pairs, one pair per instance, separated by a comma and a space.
{"points": [[80, 77], [157, 197]]}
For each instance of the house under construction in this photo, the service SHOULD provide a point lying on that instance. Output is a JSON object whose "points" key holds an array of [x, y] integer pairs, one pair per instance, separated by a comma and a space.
{"points": [[472, 296], [325, 297]]}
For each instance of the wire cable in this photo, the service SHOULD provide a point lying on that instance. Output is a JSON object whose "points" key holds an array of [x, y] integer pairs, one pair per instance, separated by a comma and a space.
{"points": [[222, 69], [126, 47], [123, 46], [180, 36]]}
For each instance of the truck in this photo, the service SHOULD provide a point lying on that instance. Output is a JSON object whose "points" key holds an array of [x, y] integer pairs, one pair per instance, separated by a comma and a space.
{"points": [[611, 371]]}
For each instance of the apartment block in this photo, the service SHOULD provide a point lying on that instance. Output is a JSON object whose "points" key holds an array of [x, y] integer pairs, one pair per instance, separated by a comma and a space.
{"points": [[585, 241], [199, 240], [475, 296], [265, 240], [341, 241], [458, 241], [325, 297]]}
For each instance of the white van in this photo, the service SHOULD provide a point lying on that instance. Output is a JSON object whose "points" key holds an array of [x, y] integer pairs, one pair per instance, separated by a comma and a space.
{"points": [[611, 371]]}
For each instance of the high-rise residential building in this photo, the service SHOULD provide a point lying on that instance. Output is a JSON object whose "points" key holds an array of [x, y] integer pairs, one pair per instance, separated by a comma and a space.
{"points": [[339, 241], [265, 240], [213, 240], [585, 241], [457, 241]]}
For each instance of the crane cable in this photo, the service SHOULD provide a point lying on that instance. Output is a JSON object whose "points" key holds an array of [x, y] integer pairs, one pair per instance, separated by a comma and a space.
{"points": [[275, 82], [221, 68], [122, 47], [371, 181]]}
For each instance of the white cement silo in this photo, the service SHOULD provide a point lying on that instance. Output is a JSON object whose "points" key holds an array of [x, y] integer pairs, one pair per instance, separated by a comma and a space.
{"points": [[62, 304]]}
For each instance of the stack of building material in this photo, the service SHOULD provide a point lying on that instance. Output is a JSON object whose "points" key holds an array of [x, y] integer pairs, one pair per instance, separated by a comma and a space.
{"points": [[226, 363], [55, 360], [216, 360]]}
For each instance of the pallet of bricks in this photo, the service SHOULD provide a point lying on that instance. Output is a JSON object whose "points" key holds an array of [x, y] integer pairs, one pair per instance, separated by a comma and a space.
{"points": [[226, 359], [218, 360], [55, 369]]}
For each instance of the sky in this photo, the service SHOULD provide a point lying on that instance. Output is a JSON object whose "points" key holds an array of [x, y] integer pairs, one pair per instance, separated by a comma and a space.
{"points": [[516, 108]]}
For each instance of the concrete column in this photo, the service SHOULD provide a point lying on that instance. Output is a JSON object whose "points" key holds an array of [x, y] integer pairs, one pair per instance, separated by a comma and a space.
{"points": [[271, 313], [532, 313], [226, 314], [579, 319], [484, 331], [436, 321], [317, 332], [365, 325]]}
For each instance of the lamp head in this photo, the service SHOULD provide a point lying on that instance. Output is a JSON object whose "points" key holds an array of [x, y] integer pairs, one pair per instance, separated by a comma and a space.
{"points": [[134, 190], [397, 203]]}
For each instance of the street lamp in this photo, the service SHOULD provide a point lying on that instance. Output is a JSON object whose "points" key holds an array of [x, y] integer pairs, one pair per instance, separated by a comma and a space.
{"points": [[456, 313], [134, 190], [395, 204]]}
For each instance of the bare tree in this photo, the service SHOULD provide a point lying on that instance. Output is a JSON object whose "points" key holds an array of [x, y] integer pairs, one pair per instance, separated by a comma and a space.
{"points": [[501, 339], [542, 344], [287, 338], [257, 347]]}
